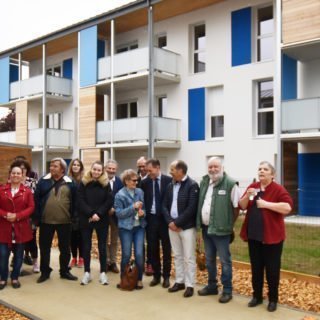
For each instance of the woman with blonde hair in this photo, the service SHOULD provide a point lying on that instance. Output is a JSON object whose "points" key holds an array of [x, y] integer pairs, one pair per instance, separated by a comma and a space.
{"points": [[75, 172], [94, 201]]}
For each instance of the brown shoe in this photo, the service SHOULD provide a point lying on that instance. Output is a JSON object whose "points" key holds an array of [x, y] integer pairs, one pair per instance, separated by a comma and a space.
{"points": [[176, 287], [148, 270], [188, 293], [113, 268]]}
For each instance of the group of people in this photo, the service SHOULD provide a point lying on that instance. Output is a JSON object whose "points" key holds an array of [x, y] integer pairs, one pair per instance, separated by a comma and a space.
{"points": [[167, 211]]}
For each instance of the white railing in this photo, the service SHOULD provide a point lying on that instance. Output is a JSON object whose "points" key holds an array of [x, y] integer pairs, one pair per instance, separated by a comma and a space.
{"points": [[55, 138], [34, 85], [9, 136], [137, 60], [301, 114], [137, 129]]}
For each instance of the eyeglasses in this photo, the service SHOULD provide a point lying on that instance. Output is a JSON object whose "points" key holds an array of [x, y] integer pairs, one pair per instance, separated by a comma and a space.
{"points": [[134, 180]]}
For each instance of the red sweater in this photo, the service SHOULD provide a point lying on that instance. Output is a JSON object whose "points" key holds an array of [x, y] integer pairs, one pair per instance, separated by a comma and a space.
{"points": [[23, 205], [273, 222]]}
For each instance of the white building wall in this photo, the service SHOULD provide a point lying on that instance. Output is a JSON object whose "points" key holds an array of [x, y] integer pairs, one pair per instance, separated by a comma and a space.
{"points": [[309, 79]]}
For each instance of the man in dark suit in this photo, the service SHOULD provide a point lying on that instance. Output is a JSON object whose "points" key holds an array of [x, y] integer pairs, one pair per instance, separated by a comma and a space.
{"points": [[154, 188], [180, 211], [111, 168]]}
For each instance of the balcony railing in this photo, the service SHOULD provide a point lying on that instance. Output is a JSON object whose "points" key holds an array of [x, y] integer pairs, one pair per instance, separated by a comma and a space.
{"points": [[300, 115], [137, 60], [137, 130], [57, 138], [9, 136], [34, 85]]}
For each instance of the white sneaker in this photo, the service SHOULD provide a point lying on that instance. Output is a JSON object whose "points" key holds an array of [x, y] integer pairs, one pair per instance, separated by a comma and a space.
{"points": [[86, 278], [103, 279], [35, 268]]}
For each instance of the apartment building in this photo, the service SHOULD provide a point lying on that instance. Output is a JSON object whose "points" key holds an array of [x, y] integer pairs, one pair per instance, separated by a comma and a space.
{"points": [[174, 79]]}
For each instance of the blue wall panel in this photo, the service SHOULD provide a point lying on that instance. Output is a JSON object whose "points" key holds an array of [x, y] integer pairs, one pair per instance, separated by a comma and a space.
{"points": [[309, 184], [67, 68], [101, 48], [241, 36], [88, 56], [4, 79], [14, 73], [289, 78], [196, 117]]}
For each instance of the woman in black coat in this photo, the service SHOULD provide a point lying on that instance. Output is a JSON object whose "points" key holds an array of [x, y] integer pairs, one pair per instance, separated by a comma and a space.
{"points": [[95, 200]]}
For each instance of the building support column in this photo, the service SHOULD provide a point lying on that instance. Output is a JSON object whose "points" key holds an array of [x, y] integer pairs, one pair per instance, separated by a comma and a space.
{"points": [[151, 83], [112, 90], [44, 110]]}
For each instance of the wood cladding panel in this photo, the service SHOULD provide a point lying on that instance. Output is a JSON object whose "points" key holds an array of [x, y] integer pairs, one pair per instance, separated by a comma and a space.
{"points": [[22, 122], [7, 155], [89, 156], [300, 20], [87, 117]]}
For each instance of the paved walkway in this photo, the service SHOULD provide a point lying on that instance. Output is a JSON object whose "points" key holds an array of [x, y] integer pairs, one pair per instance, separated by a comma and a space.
{"points": [[58, 299]]}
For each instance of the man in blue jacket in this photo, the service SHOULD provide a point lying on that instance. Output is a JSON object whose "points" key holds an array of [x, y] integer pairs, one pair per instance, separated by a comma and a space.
{"points": [[55, 200]]}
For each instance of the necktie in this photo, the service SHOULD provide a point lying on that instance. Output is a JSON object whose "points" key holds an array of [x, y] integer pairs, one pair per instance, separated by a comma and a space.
{"points": [[157, 196]]}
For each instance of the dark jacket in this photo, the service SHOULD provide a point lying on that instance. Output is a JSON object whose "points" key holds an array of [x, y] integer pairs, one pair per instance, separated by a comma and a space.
{"points": [[187, 204], [147, 187], [41, 195], [117, 185], [94, 197]]}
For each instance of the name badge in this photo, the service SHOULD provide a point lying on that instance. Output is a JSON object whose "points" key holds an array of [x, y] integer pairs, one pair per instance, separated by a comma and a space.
{"points": [[222, 192]]}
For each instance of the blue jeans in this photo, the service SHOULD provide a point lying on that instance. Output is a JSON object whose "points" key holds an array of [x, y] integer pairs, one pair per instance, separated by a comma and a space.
{"points": [[5, 250], [127, 238], [214, 245]]}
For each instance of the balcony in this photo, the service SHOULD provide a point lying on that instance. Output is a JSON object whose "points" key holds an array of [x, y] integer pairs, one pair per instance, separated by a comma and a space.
{"points": [[56, 87], [9, 136], [56, 138], [135, 63], [135, 131], [301, 117]]}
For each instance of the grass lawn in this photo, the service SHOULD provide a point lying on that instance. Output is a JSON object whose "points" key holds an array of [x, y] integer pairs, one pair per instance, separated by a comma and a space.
{"points": [[301, 251]]}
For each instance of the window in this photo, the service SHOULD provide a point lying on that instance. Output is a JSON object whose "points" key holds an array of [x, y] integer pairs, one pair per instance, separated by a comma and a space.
{"points": [[162, 105], [127, 47], [265, 108], [161, 41], [55, 70], [127, 110], [217, 126], [199, 48], [54, 120], [264, 33], [215, 112]]}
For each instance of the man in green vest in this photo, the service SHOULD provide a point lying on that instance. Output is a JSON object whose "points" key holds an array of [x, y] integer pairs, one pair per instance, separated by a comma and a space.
{"points": [[217, 212]]}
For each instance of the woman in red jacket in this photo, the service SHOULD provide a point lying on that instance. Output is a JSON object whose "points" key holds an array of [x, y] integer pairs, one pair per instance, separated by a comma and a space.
{"points": [[16, 206], [267, 203]]}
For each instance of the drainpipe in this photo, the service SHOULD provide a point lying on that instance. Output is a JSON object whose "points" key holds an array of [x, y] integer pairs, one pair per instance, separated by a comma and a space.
{"points": [[20, 73], [151, 83], [44, 110], [112, 91]]}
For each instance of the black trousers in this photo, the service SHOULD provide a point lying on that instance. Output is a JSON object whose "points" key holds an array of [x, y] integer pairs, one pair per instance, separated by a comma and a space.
{"points": [[45, 240], [76, 244], [102, 235], [158, 232], [268, 257]]}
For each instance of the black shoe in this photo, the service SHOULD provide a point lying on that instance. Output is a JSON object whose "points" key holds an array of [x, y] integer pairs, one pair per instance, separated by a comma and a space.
{"points": [[166, 283], [207, 292], [3, 285], [113, 268], [68, 276], [272, 306], [16, 284], [154, 282], [254, 302], [188, 293], [225, 298], [43, 277], [27, 260], [176, 287]]}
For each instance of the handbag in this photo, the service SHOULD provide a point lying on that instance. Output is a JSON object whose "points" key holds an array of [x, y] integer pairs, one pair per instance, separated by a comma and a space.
{"points": [[200, 255], [129, 278]]}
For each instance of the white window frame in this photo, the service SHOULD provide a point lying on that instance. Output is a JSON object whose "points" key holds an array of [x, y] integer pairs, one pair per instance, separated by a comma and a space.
{"points": [[127, 102], [257, 111], [127, 46], [156, 113], [158, 36], [256, 37], [52, 114], [193, 50]]}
